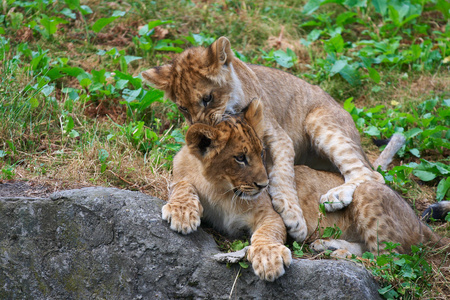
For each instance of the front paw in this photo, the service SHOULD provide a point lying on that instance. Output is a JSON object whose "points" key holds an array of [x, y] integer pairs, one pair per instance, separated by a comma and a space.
{"points": [[339, 197], [268, 260], [295, 223], [183, 217]]}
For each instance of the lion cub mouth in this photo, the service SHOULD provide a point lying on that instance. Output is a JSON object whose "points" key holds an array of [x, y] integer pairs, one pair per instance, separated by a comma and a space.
{"points": [[248, 195]]}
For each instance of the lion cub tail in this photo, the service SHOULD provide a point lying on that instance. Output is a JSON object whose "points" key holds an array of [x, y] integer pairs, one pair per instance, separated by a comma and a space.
{"points": [[437, 211]]}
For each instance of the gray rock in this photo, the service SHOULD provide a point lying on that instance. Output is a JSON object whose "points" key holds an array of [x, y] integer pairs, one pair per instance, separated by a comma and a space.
{"points": [[105, 243]]}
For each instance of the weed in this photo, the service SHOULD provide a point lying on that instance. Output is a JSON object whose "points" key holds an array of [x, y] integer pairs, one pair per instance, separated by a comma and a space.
{"points": [[403, 275]]}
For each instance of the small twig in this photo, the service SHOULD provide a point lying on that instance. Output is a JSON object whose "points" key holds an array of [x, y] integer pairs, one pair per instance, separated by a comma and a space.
{"points": [[123, 179], [234, 283]]}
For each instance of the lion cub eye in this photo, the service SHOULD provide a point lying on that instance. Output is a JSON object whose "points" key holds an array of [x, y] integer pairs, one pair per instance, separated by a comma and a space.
{"points": [[206, 99], [183, 109], [241, 159]]}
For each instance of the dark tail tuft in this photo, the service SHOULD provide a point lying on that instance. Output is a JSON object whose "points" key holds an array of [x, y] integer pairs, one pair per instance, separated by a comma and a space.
{"points": [[437, 211]]}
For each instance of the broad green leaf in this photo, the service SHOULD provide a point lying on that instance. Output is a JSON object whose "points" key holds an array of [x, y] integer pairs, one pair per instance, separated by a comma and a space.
{"points": [[311, 6], [350, 74], [338, 66], [374, 75], [335, 44], [373, 131], [412, 132], [102, 22], [442, 188], [34, 102], [103, 155], [424, 175], [85, 10], [355, 3], [380, 6], [120, 84], [85, 82], [73, 133], [47, 90], [348, 105], [68, 13], [283, 59], [131, 95], [415, 152], [129, 58]]}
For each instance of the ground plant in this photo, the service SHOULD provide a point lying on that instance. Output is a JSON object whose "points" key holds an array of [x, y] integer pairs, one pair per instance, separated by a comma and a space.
{"points": [[75, 111]]}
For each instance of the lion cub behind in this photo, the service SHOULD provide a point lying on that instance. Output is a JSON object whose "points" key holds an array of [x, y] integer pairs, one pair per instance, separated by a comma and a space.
{"points": [[220, 175]]}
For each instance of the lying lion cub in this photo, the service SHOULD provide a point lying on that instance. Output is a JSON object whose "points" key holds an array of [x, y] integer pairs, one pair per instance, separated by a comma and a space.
{"points": [[304, 125], [220, 175]]}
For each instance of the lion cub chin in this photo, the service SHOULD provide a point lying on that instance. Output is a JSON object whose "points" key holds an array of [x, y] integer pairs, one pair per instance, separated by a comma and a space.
{"points": [[220, 176]]}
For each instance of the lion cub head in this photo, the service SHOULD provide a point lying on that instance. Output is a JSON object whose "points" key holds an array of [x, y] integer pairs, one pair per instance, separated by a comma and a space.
{"points": [[231, 153], [201, 81]]}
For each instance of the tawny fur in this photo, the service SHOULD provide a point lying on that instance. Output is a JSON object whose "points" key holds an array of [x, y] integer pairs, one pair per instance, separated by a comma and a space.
{"points": [[304, 125], [209, 177]]}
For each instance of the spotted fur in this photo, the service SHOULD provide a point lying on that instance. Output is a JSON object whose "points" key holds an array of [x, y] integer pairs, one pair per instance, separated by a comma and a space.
{"points": [[304, 125]]}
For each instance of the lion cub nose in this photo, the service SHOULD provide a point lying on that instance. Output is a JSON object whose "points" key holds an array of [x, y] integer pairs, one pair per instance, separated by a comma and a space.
{"points": [[261, 185]]}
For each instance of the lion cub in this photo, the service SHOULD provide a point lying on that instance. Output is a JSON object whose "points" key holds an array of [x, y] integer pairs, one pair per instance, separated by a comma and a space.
{"points": [[304, 125], [220, 176]]}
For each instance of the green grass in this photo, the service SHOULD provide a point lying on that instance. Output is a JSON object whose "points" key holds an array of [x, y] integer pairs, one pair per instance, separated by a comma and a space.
{"points": [[74, 110]]}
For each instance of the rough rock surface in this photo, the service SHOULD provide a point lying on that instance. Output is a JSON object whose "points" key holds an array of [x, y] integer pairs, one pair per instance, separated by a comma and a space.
{"points": [[105, 243]]}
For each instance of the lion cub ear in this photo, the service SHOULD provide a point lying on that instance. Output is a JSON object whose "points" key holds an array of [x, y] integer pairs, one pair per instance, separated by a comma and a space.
{"points": [[254, 116], [220, 52], [204, 140], [159, 77]]}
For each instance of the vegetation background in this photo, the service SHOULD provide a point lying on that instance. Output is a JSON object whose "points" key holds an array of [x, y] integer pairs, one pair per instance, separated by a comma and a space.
{"points": [[75, 112]]}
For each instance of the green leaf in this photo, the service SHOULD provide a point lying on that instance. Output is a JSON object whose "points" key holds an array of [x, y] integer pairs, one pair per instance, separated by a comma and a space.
{"points": [[3, 153], [50, 25], [103, 155], [283, 59], [102, 22], [47, 90], [335, 44], [442, 188], [120, 84], [68, 13], [131, 95], [85, 10], [415, 152], [311, 6], [85, 82], [424, 175], [34, 102], [374, 75], [73, 133], [329, 231], [356, 3], [129, 58], [412, 132], [338, 66], [348, 105], [351, 75], [372, 131], [244, 265]]}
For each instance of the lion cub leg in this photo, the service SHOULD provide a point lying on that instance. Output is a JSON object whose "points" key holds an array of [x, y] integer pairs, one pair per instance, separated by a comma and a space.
{"points": [[267, 253], [183, 211], [341, 145], [282, 186], [340, 248]]}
